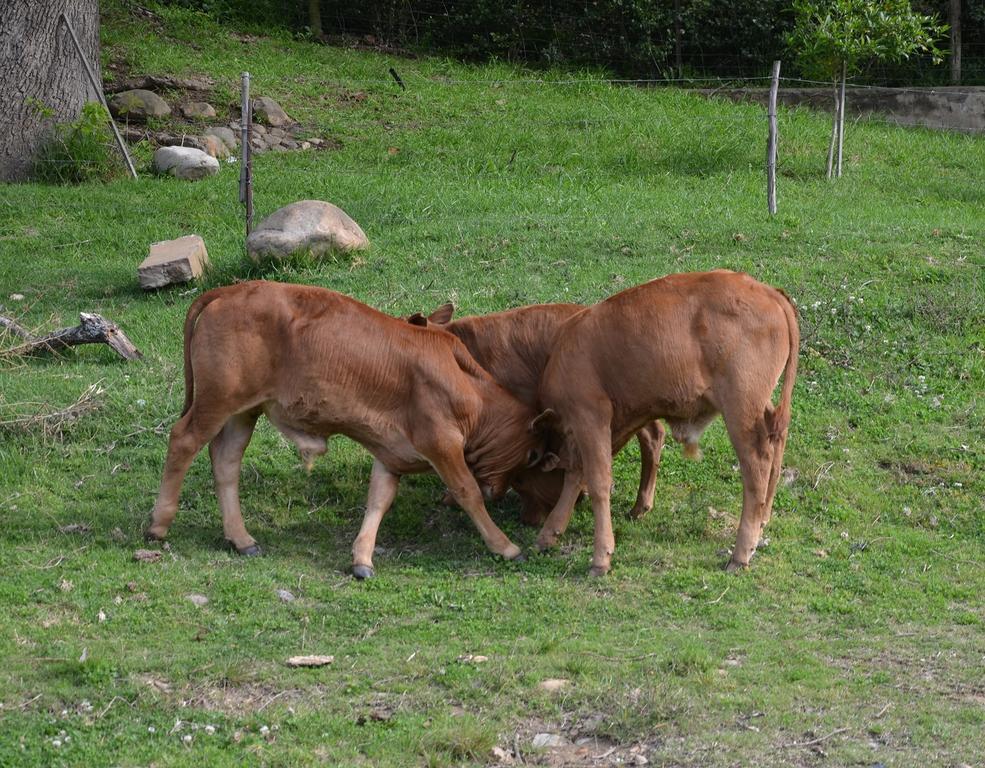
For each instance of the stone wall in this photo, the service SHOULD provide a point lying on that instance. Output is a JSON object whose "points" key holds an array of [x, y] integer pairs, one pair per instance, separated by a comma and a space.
{"points": [[952, 109]]}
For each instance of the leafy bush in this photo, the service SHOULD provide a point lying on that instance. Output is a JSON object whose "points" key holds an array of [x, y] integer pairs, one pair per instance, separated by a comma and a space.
{"points": [[80, 151]]}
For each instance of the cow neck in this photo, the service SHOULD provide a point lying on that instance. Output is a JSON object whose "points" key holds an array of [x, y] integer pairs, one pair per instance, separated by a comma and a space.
{"points": [[495, 444]]}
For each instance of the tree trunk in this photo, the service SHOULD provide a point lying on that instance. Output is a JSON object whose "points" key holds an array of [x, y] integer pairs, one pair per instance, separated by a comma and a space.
{"points": [[314, 18], [955, 21], [42, 79]]}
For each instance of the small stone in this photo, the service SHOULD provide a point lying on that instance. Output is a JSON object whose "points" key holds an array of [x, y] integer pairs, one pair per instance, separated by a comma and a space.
{"points": [[289, 143], [307, 226], [501, 756], [259, 130], [101, 616], [198, 109], [544, 740], [17, 297], [185, 163], [285, 595], [187, 738], [471, 658], [270, 112], [309, 661], [278, 132], [138, 104], [304, 145], [226, 135], [173, 261], [639, 760], [199, 600], [552, 685]]}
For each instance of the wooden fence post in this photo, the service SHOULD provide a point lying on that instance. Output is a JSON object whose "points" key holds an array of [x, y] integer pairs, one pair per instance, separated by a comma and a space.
{"points": [[771, 142]]}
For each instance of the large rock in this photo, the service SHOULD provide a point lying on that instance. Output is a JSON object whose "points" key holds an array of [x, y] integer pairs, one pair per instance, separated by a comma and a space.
{"points": [[224, 134], [308, 226], [269, 111], [173, 261], [215, 146], [138, 104], [198, 110], [185, 163]]}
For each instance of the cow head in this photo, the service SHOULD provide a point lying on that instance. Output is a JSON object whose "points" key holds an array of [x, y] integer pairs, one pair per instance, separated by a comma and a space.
{"points": [[539, 485]]}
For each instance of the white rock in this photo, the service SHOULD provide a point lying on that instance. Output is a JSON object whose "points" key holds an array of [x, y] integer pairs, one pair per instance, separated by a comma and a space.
{"points": [[17, 297], [198, 600], [286, 595], [308, 226], [185, 163], [542, 740], [553, 684]]}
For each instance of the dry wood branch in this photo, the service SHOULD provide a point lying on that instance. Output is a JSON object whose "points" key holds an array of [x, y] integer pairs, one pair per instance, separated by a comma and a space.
{"points": [[52, 422], [92, 329], [814, 741]]}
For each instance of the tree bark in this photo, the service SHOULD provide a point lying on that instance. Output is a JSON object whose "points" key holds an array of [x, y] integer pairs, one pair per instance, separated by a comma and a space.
{"points": [[955, 21], [314, 18], [42, 80]]}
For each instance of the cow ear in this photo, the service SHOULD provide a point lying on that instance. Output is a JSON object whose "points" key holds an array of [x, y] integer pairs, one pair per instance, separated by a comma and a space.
{"points": [[550, 462], [545, 421], [417, 319], [442, 315], [534, 455]]}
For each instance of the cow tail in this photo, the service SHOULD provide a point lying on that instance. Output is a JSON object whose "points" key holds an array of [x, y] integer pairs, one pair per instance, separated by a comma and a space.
{"points": [[778, 419], [193, 312]]}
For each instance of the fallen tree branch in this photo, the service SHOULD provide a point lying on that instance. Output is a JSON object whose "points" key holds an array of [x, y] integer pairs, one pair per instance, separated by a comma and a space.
{"points": [[52, 422], [92, 329]]}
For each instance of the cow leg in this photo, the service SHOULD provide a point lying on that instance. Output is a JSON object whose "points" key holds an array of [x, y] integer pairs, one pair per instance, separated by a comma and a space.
{"points": [[188, 436], [775, 470], [382, 491], [557, 521], [651, 440], [755, 454], [453, 470], [226, 451], [597, 466]]}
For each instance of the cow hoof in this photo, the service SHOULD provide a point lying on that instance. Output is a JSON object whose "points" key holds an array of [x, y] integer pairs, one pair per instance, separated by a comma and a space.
{"points": [[637, 513], [149, 535], [734, 566], [362, 572], [521, 558], [251, 551], [597, 572]]}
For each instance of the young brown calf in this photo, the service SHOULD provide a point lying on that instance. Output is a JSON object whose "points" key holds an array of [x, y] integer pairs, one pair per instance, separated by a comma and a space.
{"points": [[514, 346], [683, 348], [318, 363]]}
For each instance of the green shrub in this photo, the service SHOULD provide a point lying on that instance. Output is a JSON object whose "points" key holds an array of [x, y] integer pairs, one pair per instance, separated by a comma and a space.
{"points": [[80, 151]]}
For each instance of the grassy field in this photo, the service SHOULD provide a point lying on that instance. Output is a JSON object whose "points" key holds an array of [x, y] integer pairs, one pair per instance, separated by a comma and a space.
{"points": [[856, 638]]}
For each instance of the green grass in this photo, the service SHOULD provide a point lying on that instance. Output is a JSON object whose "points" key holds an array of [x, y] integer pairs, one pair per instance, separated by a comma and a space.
{"points": [[864, 614]]}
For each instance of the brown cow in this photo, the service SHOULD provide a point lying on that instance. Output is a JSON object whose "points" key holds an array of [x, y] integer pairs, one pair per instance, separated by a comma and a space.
{"points": [[683, 348], [514, 346], [318, 363]]}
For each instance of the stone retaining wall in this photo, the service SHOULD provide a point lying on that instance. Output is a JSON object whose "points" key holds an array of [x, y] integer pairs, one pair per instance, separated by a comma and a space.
{"points": [[952, 109]]}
